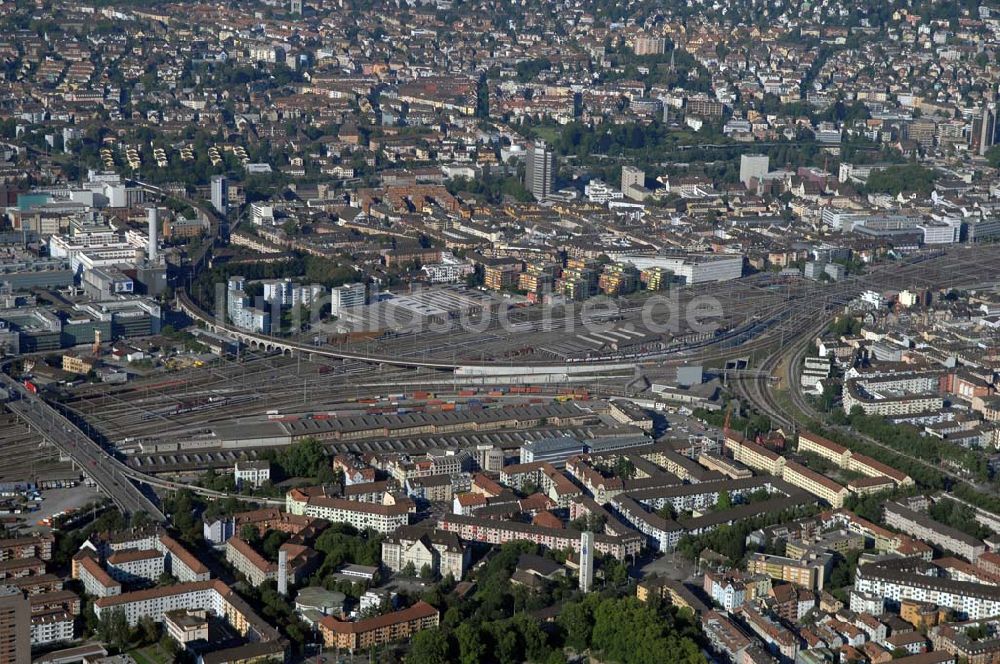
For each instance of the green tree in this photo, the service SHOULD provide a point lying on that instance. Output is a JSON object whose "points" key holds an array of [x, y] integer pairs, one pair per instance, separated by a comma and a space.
{"points": [[471, 647], [113, 629], [272, 544], [429, 646], [993, 156], [250, 534]]}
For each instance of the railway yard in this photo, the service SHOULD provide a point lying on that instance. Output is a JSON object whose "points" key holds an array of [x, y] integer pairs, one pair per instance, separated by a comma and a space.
{"points": [[415, 393]]}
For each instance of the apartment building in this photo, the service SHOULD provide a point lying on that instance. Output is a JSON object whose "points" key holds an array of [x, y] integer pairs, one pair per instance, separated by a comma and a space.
{"points": [[214, 596], [778, 639], [923, 581], [491, 531], [845, 458], [442, 552], [372, 632], [822, 447], [96, 582], [720, 464], [21, 567], [754, 456], [923, 527], [35, 546], [251, 473], [902, 395], [132, 565], [51, 627], [728, 589], [180, 562], [383, 517], [662, 534], [549, 480], [882, 539], [725, 637], [808, 572], [248, 562], [818, 485]]}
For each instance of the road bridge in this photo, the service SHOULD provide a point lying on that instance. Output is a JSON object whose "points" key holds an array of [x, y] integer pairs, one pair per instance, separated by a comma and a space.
{"points": [[110, 474]]}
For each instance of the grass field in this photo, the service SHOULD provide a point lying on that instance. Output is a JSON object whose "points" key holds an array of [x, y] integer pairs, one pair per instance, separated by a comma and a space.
{"points": [[153, 654]]}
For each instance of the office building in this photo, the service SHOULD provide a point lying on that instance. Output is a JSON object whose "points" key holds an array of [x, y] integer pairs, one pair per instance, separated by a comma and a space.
{"points": [[538, 171], [633, 177], [985, 129], [553, 450], [753, 166], [15, 626], [347, 296], [220, 194]]}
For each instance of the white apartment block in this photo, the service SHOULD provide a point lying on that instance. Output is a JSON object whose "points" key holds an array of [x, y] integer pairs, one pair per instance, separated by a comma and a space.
{"points": [[96, 582], [249, 563], [382, 518], [899, 579], [51, 627], [133, 565], [252, 473]]}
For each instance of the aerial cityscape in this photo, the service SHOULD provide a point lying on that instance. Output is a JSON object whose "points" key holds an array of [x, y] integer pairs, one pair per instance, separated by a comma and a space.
{"points": [[470, 332]]}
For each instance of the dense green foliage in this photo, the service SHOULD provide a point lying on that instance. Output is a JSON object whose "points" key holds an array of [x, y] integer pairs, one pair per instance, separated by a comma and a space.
{"points": [[495, 623], [749, 426], [341, 544], [958, 516], [730, 540], [911, 178], [306, 458]]}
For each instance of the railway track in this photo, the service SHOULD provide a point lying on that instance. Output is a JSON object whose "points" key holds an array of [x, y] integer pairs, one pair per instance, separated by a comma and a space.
{"points": [[757, 390]]}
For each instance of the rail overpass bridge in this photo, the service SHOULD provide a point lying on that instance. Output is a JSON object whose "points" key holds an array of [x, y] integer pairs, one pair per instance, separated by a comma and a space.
{"points": [[124, 485], [111, 475]]}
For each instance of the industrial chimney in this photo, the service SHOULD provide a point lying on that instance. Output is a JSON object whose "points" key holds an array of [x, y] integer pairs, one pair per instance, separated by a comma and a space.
{"points": [[154, 221]]}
